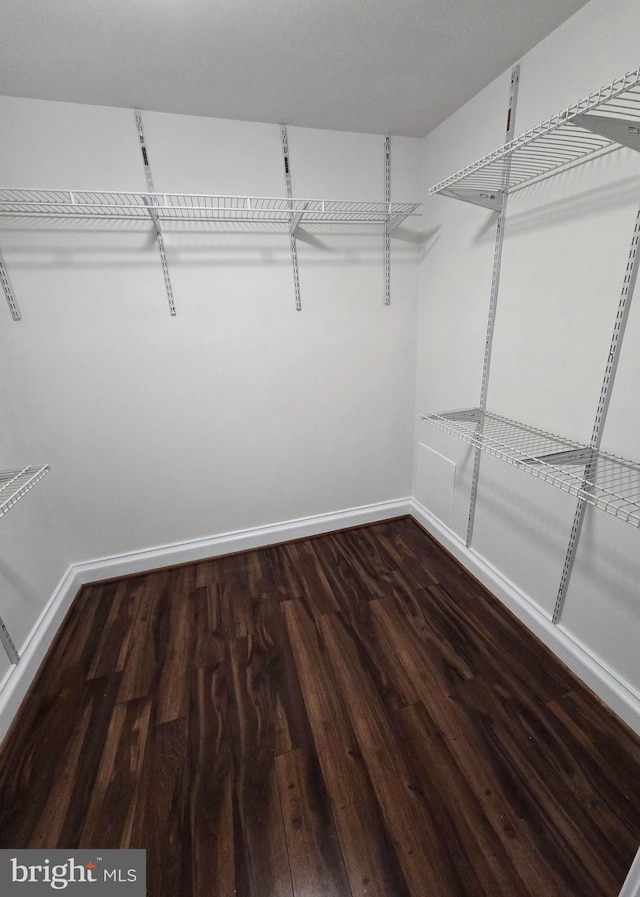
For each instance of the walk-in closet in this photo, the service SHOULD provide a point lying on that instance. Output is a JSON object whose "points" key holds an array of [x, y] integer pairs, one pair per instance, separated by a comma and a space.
{"points": [[320, 446]]}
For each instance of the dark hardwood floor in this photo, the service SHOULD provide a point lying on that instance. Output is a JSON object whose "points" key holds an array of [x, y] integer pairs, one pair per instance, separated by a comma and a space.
{"points": [[346, 716]]}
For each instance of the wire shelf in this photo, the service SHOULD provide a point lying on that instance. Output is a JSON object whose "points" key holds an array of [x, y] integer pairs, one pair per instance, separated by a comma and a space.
{"points": [[598, 478], [14, 485], [196, 207], [558, 142]]}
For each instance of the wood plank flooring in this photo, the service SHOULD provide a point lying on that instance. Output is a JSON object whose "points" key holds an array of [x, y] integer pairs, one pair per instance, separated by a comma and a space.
{"points": [[345, 716]]}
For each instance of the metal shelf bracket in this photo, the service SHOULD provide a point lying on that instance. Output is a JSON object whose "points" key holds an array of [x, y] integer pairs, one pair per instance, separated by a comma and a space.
{"points": [[618, 130], [297, 218], [396, 220], [488, 200]]}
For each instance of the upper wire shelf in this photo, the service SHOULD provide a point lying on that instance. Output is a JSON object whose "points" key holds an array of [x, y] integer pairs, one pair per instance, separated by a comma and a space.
{"points": [[196, 207], [14, 484], [598, 478], [609, 117]]}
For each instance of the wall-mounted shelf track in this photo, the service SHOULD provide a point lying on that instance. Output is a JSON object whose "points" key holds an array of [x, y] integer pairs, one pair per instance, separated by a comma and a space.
{"points": [[387, 231], [47, 204], [150, 204], [501, 208], [19, 206], [608, 118], [294, 221], [598, 478], [14, 485], [162, 209]]}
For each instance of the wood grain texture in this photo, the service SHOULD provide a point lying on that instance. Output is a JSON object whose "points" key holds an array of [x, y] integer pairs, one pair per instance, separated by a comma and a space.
{"points": [[350, 715], [208, 833], [315, 857], [407, 815], [374, 867]]}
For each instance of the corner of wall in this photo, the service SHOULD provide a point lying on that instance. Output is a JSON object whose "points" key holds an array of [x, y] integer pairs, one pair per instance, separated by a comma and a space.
{"points": [[18, 680]]}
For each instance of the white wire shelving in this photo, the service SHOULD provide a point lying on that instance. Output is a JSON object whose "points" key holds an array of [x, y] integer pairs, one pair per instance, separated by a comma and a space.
{"points": [[598, 478], [14, 485], [28, 203], [608, 118]]}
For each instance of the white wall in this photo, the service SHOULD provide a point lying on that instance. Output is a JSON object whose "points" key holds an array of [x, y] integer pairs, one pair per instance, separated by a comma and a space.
{"points": [[240, 411], [564, 258]]}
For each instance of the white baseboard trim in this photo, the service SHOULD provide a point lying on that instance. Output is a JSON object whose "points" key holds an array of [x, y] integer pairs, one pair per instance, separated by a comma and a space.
{"points": [[631, 886], [16, 683], [612, 690], [240, 540], [615, 693]]}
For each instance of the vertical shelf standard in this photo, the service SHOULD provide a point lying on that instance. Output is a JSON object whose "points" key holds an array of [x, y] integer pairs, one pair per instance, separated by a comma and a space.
{"points": [[501, 208], [295, 217]]}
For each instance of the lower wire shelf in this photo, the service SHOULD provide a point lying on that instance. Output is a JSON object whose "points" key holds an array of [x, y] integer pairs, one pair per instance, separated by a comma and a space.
{"points": [[598, 478]]}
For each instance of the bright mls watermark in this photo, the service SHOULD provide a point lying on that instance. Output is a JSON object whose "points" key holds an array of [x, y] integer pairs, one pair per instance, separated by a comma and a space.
{"points": [[103, 873]]}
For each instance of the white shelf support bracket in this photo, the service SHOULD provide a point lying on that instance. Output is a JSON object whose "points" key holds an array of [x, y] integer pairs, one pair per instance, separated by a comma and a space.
{"points": [[619, 130], [8, 292], [388, 222], [488, 200], [493, 299], [624, 305], [150, 202], [396, 220], [297, 218], [294, 220]]}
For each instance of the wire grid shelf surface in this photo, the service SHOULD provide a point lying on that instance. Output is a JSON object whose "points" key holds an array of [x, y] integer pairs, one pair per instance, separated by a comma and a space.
{"points": [[14, 484], [555, 143], [194, 207], [598, 478]]}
